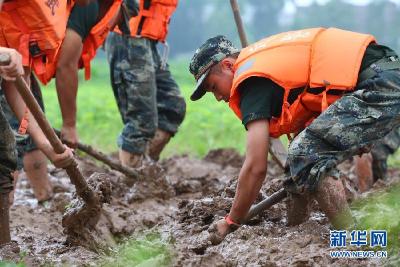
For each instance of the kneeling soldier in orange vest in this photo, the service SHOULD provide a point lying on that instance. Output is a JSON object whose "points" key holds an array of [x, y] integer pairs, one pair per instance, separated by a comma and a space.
{"points": [[333, 92]]}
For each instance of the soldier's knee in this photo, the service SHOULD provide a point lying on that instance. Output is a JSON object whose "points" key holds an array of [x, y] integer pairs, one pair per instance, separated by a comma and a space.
{"points": [[181, 109]]}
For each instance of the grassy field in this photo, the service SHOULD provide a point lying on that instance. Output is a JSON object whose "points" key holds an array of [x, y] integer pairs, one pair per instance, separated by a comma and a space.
{"points": [[207, 125], [144, 250]]}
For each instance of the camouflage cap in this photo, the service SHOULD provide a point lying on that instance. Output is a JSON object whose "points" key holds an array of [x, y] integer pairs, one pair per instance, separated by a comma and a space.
{"points": [[211, 52]]}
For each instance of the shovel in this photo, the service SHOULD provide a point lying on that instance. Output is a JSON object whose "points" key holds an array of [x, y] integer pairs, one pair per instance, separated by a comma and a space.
{"points": [[256, 209], [100, 156], [87, 214]]}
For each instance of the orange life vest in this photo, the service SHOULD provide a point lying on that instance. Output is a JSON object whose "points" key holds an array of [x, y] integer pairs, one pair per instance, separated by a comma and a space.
{"points": [[310, 58], [93, 41], [35, 28], [153, 19], [98, 34]]}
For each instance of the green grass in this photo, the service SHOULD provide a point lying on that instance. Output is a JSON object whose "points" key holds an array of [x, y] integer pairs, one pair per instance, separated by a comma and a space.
{"points": [[148, 250], [208, 124], [98, 118], [381, 212], [10, 264]]}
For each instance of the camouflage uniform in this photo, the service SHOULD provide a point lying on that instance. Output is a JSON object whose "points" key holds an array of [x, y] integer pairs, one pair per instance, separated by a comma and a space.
{"points": [[350, 126], [24, 143], [8, 154], [147, 96], [382, 150]]}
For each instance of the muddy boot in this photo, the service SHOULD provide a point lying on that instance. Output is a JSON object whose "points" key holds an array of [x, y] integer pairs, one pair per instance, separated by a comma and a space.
{"points": [[157, 144], [298, 208], [130, 159], [4, 219], [331, 198], [363, 168], [35, 166], [11, 194]]}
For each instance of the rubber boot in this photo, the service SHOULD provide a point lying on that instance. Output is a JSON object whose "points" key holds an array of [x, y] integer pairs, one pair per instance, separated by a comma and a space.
{"points": [[130, 159], [298, 208], [4, 219], [157, 144], [35, 166], [363, 168], [331, 198]]}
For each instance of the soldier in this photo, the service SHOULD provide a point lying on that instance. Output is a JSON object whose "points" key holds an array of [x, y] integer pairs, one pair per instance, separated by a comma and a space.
{"points": [[337, 91], [29, 157], [78, 48], [148, 98], [81, 20], [8, 157]]}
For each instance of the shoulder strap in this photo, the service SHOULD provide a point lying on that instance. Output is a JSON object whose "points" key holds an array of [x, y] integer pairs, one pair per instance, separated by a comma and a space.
{"points": [[145, 7]]}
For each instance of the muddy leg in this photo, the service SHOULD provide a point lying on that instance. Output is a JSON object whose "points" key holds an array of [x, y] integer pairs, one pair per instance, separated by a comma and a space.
{"points": [[331, 198], [4, 219], [363, 167], [157, 144], [11, 195], [298, 208], [35, 166], [131, 160]]}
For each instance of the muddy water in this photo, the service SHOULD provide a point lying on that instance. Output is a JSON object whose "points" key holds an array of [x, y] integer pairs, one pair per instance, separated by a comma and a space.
{"points": [[181, 203]]}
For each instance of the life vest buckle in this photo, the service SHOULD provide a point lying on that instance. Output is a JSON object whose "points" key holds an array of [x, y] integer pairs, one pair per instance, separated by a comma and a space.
{"points": [[34, 49]]}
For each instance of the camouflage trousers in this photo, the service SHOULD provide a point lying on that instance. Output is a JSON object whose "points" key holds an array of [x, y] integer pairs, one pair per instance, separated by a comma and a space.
{"points": [[24, 142], [8, 154], [350, 126], [382, 150], [147, 96]]}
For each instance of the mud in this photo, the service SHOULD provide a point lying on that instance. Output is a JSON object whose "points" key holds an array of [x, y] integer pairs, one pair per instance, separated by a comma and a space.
{"points": [[81, 220], [181, 203]]}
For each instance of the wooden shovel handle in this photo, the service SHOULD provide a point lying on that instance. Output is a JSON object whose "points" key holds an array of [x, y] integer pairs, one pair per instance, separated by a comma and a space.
{"points": [[35, 109], [72, 170], [266, 204], [114, 164], [239, 23]]}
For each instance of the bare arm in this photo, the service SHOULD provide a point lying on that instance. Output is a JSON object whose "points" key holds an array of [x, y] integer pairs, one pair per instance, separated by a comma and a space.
{"points": [[67, 84], [10, 72], [14, 68], [253, 171], [17, 104]]}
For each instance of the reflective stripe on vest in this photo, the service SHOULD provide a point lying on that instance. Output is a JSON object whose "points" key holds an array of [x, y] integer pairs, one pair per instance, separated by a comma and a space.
{"points": [[317, 57]]}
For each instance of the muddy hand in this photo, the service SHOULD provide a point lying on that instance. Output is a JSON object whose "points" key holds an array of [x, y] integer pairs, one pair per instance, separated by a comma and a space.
{"points": [[14, 68], [218, 231], [70, 135], [60, 160]]}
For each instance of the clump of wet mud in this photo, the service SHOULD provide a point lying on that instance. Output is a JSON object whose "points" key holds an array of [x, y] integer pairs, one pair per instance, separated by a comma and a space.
{"points": [[81, 219], [180, 198], [225, 157]]}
